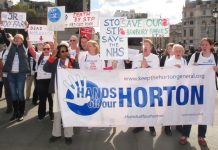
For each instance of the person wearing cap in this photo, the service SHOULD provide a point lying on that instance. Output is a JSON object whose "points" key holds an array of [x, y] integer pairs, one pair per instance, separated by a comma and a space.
{"points": [[43, 80], [146, 60], [16, 66], [59, 59]]}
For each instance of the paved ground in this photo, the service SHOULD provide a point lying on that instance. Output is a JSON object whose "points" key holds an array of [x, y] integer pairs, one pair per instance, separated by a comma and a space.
{"points": [[32, 134]]}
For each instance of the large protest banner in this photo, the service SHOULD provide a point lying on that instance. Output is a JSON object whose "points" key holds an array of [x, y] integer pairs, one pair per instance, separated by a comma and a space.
{"points": [[56, 18], [113, 46], [13, 20], [82, 19], [40, 33], [140, 97], [146, 27]]}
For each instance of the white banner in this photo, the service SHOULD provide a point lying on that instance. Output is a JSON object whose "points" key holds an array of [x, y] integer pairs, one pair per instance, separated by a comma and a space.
{"points": [[56, 18], [82, 19], [112, 45], [13, 20], [140, 97], [150, 27], [40, 33]]}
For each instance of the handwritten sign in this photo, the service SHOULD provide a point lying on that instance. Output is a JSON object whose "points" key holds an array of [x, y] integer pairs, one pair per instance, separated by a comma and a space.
{"points": [[146, 27], [13, 20], [56, 18], [82, 19], [40, 33], [113, 46]]}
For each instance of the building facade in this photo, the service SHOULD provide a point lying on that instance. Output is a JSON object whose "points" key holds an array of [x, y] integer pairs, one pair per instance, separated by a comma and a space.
{"points": [[198, 21], [176, 33]]}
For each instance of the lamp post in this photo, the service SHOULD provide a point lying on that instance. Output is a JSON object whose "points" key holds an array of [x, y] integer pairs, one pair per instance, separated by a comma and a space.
{"points": [[215, 15]]}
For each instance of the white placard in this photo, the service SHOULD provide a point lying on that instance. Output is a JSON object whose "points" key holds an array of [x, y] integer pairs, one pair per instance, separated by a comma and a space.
{"points": [[13, 20], [151, 27], [56, 18], [113, 46], [40, 33], [82, 19]]}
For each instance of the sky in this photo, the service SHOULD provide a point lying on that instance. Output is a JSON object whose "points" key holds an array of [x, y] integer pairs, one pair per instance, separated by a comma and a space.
{"points": [[171, 9]]}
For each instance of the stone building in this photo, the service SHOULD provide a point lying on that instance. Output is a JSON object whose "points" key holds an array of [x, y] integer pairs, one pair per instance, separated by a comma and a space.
{"points": [[198, 21]]}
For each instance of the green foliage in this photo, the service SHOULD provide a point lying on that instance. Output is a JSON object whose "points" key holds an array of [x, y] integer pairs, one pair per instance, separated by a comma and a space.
{"points": [[24, 8]]}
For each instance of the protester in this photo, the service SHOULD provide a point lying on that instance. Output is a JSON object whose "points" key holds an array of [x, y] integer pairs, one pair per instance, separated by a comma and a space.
{"points": [[3, 57], [39, 49], [16, 66], [91, 60], [167, 54], [74, 49], [30, 77], [83, 43], [43, 80], [205, 57], [177, 59], [146, 60], [58, 59]]}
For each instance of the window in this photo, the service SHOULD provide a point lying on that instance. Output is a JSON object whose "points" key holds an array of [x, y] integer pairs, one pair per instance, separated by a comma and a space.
{"points": [[184, 23], [184, 42], [191, 41], [191, 14], [184, 14], [191, 22], [184, 33], [204, 12], [191, 32]]}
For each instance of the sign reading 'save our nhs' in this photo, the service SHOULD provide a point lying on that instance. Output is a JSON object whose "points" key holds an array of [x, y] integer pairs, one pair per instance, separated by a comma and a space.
{"points": [[131, 98]]}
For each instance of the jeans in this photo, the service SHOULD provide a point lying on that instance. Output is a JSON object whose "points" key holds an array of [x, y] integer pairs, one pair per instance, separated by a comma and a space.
{"points": [[202, 129], [16, 86]]}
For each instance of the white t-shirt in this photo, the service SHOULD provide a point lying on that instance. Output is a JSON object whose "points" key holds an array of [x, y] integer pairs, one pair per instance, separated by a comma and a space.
{"points": [[41, 74], [16, 62], [152, 60], [203, 60], [173, 61], [91, 62]]}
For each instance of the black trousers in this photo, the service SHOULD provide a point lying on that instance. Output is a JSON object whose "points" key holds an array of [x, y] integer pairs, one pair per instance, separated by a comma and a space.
{"points": [[42, 88], [1, 87], [35, 92]]}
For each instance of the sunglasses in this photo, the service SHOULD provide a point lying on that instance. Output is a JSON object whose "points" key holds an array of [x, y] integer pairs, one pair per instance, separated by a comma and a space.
{"points": [[44, 49], [64, 51], [72, 40]]}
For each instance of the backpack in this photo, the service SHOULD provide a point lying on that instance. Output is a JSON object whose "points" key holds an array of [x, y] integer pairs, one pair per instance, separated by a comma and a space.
{"points": [[197, 54]]}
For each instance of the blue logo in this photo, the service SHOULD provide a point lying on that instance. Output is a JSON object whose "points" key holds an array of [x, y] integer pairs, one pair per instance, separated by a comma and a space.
{"points": [[83, 97], [54, 15]]}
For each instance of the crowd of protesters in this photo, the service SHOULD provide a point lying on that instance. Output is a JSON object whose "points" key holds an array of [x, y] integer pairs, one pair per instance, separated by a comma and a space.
{"points": [[22, 62]]}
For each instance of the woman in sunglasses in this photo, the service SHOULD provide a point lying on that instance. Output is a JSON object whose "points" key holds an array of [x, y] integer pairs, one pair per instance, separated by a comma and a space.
{"points": [[59, 59], [43, 80]]}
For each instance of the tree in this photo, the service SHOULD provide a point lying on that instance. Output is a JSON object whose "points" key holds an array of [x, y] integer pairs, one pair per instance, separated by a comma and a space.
{"points": [[31, 13]]}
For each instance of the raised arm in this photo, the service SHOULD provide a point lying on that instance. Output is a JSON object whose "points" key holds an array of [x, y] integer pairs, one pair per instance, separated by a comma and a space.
{"points": [[7, 42]]}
